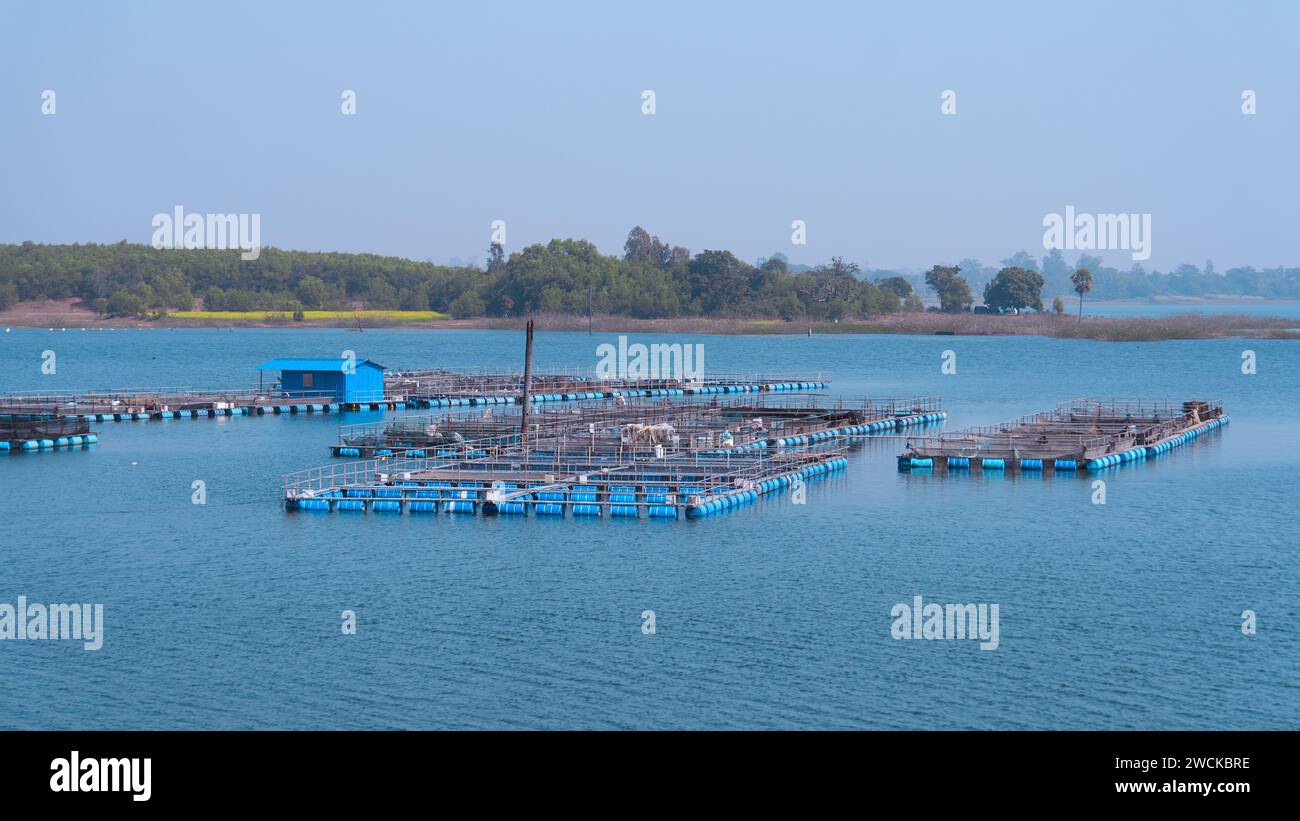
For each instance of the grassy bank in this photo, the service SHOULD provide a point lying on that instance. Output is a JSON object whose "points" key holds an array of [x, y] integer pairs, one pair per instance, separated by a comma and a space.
{"points": [[318, 317], [1118, 329], [68, 313]]}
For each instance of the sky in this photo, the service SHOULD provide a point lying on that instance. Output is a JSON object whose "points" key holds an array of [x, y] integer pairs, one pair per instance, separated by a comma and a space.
{"points": [[764, 113]]}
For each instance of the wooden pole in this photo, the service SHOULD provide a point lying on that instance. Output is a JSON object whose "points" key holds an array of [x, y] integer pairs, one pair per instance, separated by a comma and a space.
{"points": [[528, 378]]}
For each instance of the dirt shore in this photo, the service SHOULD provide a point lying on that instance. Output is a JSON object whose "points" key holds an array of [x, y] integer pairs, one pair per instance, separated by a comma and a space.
{"points": [[69, 314]]}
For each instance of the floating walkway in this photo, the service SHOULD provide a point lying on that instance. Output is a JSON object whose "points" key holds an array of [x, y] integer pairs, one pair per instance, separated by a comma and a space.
{"points": [[444, 433], [445, 388], [691, 425], [1080, 435], [490, 394], [143, 404], [556, 483]]}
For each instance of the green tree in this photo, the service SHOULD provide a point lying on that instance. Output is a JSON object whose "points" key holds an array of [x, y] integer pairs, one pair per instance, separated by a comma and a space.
{"points": [[496, 258], [1082, 280], [125, 303], [648, 278], [381, 296], [953, 291], [790, 308], [896, 285], [1015, 287], [1020, 259], [644, 248], [312, 292], [718, 281], [468, 305], [639, 246]]}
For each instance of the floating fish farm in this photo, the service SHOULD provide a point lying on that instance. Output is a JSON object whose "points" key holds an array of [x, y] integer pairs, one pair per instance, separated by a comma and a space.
{"points": [[583, 483], [1079, 435], [289, 396], [738, 423], [656, 461], [36, 432], [438, 387], [438, 434], [142, 404]]}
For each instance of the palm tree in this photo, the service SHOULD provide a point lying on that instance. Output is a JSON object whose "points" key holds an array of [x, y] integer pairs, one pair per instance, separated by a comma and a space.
{"points": [[1082, 280]]}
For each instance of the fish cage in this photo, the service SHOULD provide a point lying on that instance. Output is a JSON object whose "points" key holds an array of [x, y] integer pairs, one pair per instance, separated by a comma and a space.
{"points": [[593, 482], [691, 424], [126, 404], [579, 385], [26, 432], [1081, 434]]}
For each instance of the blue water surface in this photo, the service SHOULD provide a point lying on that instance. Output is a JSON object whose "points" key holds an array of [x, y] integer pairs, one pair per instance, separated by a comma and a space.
{"points": [[227, 615]]}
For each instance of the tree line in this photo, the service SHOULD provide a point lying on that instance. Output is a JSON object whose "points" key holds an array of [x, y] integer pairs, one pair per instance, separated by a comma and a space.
{"points": [[651, 279]]}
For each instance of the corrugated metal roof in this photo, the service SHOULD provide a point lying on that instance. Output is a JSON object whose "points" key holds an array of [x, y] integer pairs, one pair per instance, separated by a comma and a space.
{"points": [[336, 365]]}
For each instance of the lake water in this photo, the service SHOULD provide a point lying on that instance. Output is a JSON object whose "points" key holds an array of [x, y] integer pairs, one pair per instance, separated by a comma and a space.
{"points": [[227, 615], [1286, 309]]}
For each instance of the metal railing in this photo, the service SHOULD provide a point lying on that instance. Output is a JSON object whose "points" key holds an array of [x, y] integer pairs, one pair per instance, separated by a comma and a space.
{"points": [[1081, 428], [510, 463]]}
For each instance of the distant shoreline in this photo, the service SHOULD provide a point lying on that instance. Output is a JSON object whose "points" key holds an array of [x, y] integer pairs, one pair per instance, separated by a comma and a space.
{"points": [[66, 314], [1212, 299]]}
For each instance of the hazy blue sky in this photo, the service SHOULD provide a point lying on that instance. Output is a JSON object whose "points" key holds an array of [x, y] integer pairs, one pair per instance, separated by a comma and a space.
{"points": [[531, 113]]}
